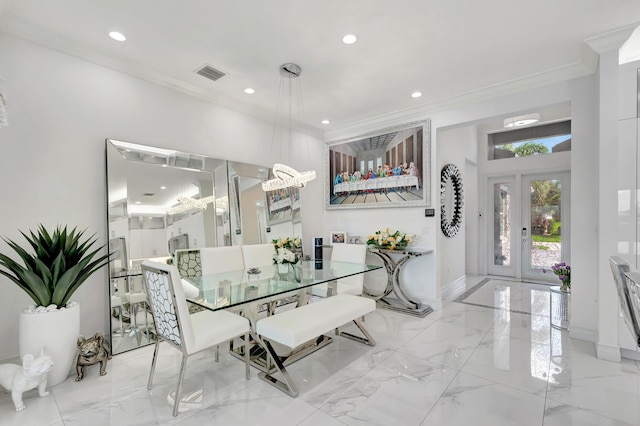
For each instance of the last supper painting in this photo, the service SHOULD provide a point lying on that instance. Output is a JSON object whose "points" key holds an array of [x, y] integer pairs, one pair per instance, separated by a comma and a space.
{"points": [[387, 168]]}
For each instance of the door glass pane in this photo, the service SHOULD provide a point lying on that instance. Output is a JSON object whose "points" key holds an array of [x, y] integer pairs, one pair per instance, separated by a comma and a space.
{"points": [[502, 224], [546, 226]]}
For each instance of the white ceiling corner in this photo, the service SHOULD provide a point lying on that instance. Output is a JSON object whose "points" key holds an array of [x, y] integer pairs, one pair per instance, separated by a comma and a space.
{"points": [[453, 52]]}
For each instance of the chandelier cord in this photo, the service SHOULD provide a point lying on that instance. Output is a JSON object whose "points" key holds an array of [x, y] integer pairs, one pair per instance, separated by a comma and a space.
{"points": [[302, 118], [285, 176], [275, 120]]}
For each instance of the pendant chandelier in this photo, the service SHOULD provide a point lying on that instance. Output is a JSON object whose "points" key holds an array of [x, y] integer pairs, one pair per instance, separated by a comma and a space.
{"points": [[286, 176]]}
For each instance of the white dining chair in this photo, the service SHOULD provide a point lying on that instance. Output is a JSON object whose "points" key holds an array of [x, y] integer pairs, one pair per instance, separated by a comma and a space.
{"points": [[632, 283], [217, 260], [189, 334], [188, 262], [222, 260], [353, 253], [619, 268], [257, 255]]}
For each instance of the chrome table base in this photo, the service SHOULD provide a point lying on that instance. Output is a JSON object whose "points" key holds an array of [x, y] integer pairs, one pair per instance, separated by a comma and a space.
{"points": [[417, 309], [399, 301]]}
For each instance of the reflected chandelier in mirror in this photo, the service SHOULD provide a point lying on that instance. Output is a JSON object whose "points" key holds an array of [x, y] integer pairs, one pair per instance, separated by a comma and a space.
{"points": [[162, 200]]}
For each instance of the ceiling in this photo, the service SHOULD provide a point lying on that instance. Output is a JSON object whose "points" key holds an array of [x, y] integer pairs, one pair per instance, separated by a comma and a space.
{"points": [[448, 50]]}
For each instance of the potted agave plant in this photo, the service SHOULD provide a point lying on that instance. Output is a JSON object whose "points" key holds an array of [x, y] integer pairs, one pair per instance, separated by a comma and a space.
{"points": [[54, 267]]}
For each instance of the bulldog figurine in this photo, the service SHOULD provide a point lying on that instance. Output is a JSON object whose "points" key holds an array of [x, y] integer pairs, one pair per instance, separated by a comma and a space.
{"points": [[91, 351]]}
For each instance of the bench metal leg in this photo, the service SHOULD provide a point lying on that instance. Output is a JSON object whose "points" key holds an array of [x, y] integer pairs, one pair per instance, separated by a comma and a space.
{"points": [[367, 339], [287, 386]]}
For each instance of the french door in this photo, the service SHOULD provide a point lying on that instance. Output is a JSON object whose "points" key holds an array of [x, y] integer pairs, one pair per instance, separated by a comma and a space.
{"points": [[528, 230]]}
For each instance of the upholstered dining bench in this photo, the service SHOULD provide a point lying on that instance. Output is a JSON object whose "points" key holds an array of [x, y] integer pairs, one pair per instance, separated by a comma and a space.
{"points": [[301, 325]]}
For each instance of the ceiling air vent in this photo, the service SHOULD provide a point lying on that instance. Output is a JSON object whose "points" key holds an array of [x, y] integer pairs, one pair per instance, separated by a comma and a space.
{"points": [[209, 72], [148, 194]]}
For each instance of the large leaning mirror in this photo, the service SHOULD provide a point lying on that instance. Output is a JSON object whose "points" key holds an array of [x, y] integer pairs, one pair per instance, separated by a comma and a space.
{"points": [[161, 201]]}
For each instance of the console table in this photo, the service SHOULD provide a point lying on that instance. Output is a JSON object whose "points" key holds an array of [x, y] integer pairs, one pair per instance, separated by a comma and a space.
{"points": [[393, 297]]}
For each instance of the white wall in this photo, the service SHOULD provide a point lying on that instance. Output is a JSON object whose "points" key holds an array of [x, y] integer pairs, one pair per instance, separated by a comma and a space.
{"points": [[456, 146], [583, 96], [52, 165]]}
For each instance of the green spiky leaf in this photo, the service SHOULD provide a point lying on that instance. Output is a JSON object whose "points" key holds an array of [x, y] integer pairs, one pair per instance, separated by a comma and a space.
{"points": [[58, 263]]}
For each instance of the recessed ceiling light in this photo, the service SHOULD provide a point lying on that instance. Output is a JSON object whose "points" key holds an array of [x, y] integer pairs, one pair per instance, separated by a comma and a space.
{"points": [[249, 91], [349, 39], [163, 187], [325, 122], [137, 202], [416, 94], [521, 120], [117, 36]]}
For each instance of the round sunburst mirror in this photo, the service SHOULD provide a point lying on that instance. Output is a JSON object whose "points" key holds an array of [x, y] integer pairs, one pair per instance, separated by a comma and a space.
{"points": [[451, 200]]}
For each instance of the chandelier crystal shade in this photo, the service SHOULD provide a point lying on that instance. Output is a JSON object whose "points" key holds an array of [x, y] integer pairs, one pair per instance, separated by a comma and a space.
{"points": [[286, 176], [188, 203]]}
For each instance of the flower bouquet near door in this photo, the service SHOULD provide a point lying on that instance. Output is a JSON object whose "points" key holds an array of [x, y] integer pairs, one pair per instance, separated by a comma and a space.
{"points": [[563, 271]]}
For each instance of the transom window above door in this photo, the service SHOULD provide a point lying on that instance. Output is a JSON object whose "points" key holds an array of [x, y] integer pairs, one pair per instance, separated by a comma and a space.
{"points": [[538, 140]]}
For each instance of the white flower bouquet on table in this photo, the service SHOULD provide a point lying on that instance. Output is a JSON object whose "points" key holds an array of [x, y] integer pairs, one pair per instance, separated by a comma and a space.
{"points": [[288, 250], [389, 240]]}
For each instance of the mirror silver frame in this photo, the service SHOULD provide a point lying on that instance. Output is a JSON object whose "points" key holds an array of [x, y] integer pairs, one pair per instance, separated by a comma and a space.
{"points": [[388, 134], [234, 187]]}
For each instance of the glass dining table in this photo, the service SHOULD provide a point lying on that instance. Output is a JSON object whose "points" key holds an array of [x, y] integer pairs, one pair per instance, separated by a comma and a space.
{"points": [[247, 291]]}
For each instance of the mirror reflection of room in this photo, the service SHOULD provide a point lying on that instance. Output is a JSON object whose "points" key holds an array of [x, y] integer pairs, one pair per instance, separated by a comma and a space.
{"points": [[166, 205]]}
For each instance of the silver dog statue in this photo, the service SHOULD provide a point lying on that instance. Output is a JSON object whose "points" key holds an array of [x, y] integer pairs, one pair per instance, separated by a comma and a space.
{"points": [[92, 350]]}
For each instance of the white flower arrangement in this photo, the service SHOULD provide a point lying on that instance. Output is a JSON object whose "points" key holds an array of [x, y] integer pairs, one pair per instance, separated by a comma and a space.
{"points": [[389, 240], [285, 256], [287, 250]]}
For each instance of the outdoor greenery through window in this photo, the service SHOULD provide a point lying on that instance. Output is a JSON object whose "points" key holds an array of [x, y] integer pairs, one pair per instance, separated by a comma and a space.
{"points": [[538, 140]]}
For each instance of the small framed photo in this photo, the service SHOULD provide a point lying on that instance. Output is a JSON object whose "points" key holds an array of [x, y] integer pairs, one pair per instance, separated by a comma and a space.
{"points": [[338, 237], [354, 239]]}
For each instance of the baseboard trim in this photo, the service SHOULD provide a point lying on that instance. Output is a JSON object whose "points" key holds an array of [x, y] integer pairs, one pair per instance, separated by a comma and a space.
{"points": [[436, 305], [452, 290], [608, 352], [630, 354], [581, 333]]}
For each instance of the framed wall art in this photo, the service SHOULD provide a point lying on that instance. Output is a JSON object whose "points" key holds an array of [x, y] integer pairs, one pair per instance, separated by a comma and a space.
{"points": [[386, 168]]}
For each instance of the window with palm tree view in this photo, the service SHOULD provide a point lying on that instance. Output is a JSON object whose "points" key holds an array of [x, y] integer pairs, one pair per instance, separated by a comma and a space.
{"points": [[538, 140]]}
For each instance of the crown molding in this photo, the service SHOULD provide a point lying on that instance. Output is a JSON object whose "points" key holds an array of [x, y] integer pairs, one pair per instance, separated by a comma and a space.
{"points": [[422, 111], [20, 29], [611, 40], [590, 51]]}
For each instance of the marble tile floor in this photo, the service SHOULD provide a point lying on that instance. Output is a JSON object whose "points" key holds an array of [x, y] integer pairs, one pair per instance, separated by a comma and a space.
{"points": [[486, 363]]}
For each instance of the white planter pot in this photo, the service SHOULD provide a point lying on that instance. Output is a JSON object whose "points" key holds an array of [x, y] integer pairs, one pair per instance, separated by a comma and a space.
{"points": [[56, 331]]}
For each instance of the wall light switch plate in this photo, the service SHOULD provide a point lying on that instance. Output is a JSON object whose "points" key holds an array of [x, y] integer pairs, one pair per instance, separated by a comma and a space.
{"points": [[429, 212]]}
